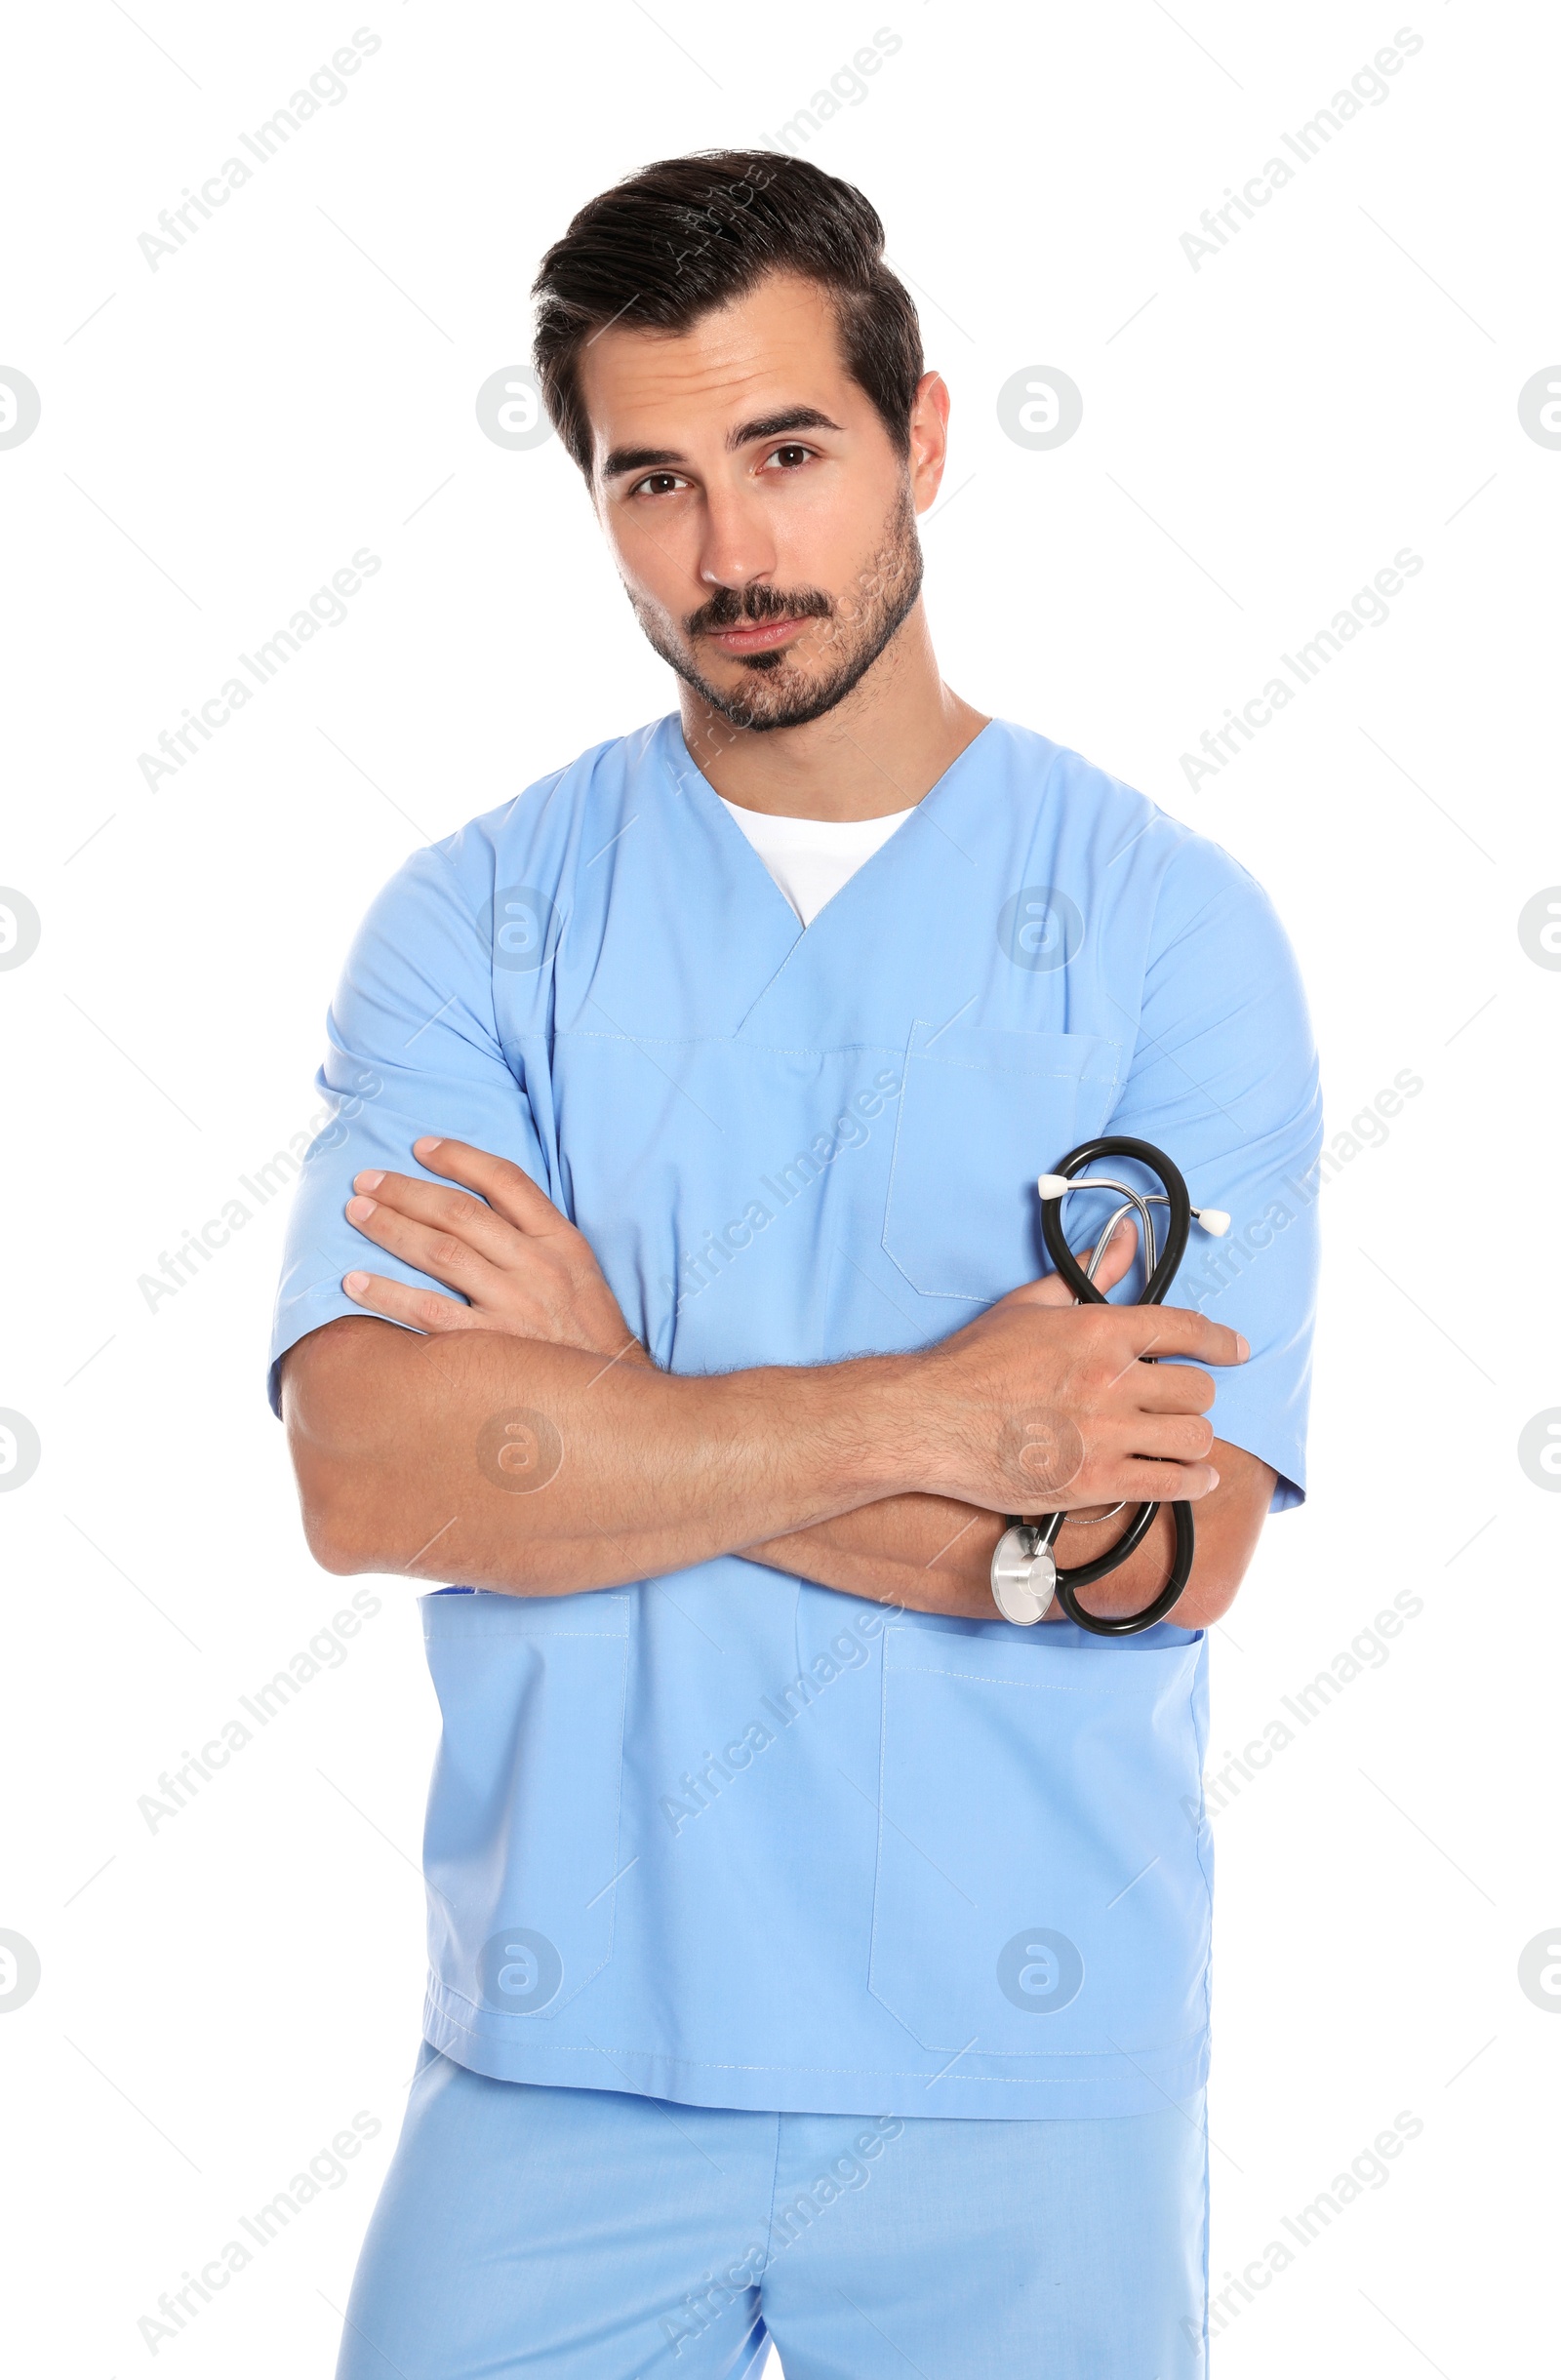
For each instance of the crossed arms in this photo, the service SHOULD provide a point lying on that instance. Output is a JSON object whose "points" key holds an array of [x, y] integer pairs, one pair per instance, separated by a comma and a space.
{"points": [[525, 1441]]}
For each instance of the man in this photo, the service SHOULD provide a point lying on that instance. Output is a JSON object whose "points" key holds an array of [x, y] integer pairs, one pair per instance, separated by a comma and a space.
{"points": [[814, 1955]]}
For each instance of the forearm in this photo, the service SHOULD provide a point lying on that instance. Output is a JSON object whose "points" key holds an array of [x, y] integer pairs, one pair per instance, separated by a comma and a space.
{"points": [[932, 1554], [542, 1469], [925, 1553]]}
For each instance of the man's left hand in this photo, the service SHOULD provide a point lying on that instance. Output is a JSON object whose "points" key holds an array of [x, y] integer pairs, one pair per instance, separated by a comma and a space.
{"points": [[519, 1264]]}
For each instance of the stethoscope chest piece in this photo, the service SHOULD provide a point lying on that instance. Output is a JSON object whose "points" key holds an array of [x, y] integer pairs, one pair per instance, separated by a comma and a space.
{"points": [[1023, 1576]]}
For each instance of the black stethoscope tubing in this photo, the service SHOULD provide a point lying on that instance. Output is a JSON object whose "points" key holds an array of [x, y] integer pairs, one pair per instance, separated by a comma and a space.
{"points": [[1161, 1275]]}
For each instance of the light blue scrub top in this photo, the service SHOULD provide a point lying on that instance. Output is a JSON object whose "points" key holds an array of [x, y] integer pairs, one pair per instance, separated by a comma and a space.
{"points": [[725, 1837]]}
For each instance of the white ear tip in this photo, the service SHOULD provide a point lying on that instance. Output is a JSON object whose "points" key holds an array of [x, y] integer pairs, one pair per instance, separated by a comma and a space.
{"points": [[1214, 1219], [1053, 1185]]}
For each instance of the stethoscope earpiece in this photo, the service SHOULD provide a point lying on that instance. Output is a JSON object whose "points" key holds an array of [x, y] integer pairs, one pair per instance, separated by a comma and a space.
{"points": [[1214, 1219]]}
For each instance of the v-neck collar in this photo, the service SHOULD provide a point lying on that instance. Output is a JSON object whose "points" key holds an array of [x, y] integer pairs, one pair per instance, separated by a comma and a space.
{"points": [[686, 773]]}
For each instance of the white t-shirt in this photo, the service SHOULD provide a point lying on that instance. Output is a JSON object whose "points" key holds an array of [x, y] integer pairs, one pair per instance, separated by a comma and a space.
{"points": [[810, 859]]}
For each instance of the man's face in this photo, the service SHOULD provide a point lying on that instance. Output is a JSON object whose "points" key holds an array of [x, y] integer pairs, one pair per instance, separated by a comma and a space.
{"points": [[762, 522]]}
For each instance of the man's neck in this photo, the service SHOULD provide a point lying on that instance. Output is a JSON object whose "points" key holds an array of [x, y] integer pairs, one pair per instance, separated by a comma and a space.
{"points": [[879, 750]]}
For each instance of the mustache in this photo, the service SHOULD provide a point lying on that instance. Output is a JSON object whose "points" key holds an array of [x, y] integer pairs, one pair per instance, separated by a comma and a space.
{"points": [[754, 607]]}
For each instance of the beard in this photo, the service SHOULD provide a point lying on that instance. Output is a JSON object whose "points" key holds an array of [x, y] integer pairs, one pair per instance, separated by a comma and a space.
{"points": [[775, 691]]}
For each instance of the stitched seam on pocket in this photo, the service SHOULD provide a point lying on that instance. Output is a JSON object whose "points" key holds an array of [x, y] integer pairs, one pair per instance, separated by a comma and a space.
{"points": [[1026, 1685], [1026, 1073], [570, 1636]]}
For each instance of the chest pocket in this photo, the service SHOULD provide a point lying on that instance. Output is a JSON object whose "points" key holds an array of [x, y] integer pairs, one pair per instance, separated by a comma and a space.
{"points": [[982, 1111]]}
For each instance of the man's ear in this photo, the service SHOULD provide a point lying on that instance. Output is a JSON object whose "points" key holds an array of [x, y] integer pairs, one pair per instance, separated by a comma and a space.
{"points": [[929, 439]]}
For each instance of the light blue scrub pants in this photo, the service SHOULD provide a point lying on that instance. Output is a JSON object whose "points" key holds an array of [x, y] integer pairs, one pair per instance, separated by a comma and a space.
{"points": [[595, 2235]]}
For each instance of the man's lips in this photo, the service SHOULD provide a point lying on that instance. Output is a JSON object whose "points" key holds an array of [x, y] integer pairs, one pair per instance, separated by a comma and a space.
{"points": [[749, 639]]}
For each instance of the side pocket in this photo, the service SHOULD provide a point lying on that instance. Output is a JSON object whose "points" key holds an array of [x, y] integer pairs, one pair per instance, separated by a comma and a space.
{"points": [[1040, 1890], [982, 1113], [521, 1844]]}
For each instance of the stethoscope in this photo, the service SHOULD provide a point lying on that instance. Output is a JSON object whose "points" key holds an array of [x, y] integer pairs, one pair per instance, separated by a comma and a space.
{"points": [[1025, 1578]]}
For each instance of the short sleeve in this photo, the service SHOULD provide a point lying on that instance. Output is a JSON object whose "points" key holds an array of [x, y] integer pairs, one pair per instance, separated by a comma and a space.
{"points": [[411, 1047], [1223, 1077]]}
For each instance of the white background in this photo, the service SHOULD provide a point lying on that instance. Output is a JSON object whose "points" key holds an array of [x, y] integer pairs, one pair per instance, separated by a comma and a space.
{"points": [[1260, 437]]}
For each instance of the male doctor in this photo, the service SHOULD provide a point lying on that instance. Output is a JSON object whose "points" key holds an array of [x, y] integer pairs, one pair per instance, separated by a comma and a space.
{"points": [[814, 1955]]}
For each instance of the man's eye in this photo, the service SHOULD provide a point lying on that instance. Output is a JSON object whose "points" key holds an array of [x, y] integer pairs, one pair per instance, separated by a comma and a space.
{"points": [[797, 454], [656, 482]]}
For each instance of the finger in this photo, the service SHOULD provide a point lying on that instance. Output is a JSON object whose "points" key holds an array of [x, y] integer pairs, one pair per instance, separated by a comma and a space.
{"points": [[439, 1254], [425, 1310], [1142, 1482], [1178, 1331], [454, 1214], [1117, 1453], [1171, 1388], [1148, 1483], [1178, 1437], [1132, 1481], [1120, 1248], [507, 1188]]}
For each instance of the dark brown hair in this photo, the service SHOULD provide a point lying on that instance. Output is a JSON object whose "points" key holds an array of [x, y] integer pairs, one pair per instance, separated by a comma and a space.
{"points": [[678, 239]]}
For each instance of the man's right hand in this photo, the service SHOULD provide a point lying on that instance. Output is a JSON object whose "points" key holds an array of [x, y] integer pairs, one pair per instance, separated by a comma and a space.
{"points": [[1038, 1408]]}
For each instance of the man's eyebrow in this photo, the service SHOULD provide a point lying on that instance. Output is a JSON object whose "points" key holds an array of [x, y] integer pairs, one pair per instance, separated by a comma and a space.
{"points": [[747, 433]]}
